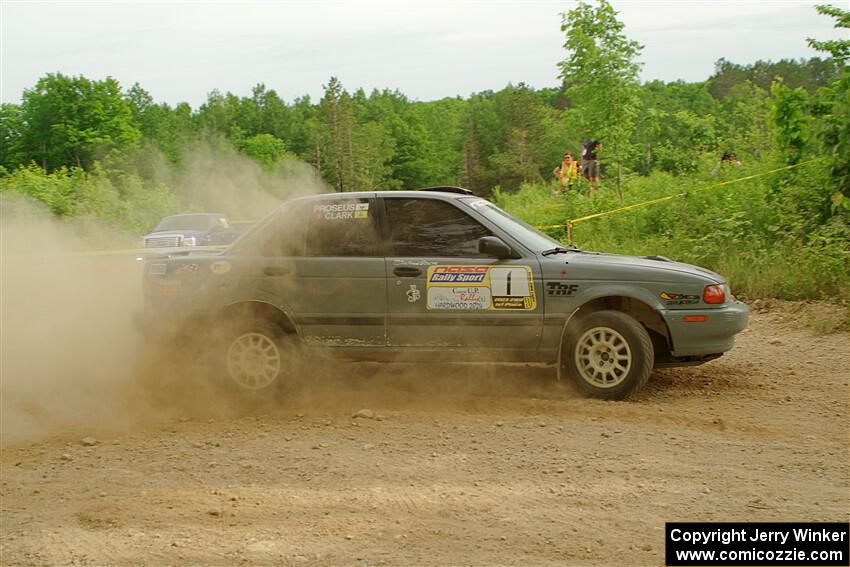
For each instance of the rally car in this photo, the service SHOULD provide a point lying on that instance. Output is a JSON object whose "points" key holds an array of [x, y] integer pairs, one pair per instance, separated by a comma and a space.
{"points": [[436, 274]]}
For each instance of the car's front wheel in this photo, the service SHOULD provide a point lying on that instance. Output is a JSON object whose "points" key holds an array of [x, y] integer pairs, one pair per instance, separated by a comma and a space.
{"points": [[259, 356], [608, 354]]}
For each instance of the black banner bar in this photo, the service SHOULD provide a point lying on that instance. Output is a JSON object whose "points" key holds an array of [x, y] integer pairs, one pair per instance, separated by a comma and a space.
{"points": [[744, 544]]}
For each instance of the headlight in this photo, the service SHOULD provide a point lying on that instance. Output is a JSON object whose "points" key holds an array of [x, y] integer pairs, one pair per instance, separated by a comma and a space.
{"points": [[189, 241]]}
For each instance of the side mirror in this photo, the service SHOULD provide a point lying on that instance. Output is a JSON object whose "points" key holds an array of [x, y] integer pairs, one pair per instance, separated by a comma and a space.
{"points": [[495, 247]]}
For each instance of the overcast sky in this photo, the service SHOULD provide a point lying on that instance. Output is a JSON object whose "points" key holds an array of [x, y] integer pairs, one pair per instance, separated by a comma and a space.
{"points": [[427, 50]]}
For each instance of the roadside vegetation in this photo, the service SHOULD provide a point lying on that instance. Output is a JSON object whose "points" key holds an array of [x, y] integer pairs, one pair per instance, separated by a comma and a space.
{"points": [[771, 236], [89, 148]]}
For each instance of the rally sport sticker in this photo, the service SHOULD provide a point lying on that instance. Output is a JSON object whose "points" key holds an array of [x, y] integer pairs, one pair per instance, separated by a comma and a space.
{"points": [[481, 288]]}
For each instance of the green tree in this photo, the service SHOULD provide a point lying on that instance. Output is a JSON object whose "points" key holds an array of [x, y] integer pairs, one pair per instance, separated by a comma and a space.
{"points": [[839, 49], [299, 130], [601, 75], [370, 165], [483, 127], [683, 138], [809, 74], [264, 148], [788, 111], [218, 115], [443, 124], [834, 109], [163, 128], [676, 128], [472, 165], [744, 125], [413, 160], [74, 121], [528, 145], [11, 129], [272, 115], [334, 135]]}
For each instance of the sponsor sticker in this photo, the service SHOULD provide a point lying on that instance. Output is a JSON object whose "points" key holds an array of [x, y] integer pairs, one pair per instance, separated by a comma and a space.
{"points": [[679, 298], [500, 288], [413, 294], [408, 262], [185, 268], [457, 274], [459, 298], [560, 289], [342, 211], [220, 267]]}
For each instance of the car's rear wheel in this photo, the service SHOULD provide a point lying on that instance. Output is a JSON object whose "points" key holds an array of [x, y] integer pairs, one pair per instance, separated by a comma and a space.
{"points": [[608, 355], [259, 357]]}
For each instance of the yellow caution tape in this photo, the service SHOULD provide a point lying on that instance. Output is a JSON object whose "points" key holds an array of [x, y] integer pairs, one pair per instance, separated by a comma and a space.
{"points": [[569, 224]]}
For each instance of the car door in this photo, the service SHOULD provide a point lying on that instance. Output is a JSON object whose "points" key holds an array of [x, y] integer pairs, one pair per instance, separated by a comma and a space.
{"points": [[441, 292], [331, 274]]}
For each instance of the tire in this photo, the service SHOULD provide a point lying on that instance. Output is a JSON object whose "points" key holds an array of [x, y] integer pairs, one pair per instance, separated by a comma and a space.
{"points": [[607, 354], [259, 357]]}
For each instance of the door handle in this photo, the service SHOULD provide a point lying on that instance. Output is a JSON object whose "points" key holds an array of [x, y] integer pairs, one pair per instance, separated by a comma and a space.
{"points": [[407, 271], [275, 271]]}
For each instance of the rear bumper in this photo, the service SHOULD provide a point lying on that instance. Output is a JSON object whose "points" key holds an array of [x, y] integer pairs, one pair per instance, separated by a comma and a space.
{"points": [[714, 335]]}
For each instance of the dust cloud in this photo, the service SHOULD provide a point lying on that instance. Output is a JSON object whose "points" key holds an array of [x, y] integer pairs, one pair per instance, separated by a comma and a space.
{"points": [[66, 336], [213, 177], [71, 359], [333, 385], [73, 363]]}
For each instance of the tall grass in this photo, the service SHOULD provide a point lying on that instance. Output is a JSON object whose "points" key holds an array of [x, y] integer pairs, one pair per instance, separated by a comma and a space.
{"points": [[773, 236]]}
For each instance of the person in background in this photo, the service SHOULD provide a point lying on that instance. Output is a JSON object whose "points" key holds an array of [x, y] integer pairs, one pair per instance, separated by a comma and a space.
{"points": [[728, 158], [567, 173], [590, 163]]}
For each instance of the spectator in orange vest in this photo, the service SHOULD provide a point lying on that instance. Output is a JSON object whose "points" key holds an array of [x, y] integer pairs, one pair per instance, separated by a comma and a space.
{"points": [[566, 173]]}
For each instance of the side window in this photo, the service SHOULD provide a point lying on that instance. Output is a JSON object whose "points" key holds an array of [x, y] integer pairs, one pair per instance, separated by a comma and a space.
{"points": [[342, 227], [284, 235], [428, 227]]}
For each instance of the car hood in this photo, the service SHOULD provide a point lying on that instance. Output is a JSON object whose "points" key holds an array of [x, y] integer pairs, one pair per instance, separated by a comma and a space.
{"points": [[646, 268]]}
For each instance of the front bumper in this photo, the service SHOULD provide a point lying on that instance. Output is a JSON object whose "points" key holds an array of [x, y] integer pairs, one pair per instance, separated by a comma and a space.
{"points": [[714, 335]]}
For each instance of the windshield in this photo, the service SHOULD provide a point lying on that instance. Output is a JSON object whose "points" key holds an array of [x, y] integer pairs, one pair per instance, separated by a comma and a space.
{"points": [[522, 231], [184, 222]]}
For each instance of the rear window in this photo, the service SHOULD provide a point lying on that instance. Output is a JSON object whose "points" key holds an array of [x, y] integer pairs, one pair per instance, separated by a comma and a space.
{"points": [[281, 235], [342, 227]]}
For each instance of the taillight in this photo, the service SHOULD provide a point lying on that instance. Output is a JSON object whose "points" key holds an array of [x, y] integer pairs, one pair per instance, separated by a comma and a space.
{"points": [[714, 294]]}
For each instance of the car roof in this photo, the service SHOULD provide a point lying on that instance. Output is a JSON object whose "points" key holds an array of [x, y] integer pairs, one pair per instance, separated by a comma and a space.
{"points": [[197, 215], [430, 193]]}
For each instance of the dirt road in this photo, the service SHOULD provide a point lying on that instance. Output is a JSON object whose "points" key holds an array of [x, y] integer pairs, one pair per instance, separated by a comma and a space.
{"points": [[451, 465]]}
